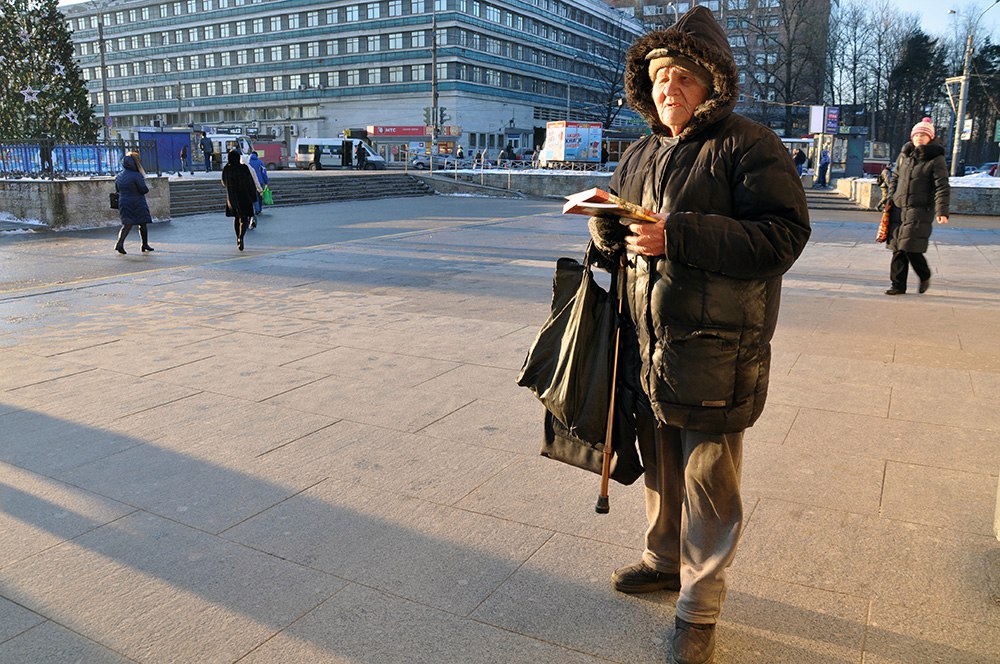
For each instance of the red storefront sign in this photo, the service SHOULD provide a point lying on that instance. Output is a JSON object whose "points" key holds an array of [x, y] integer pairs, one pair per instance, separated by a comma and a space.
{"points": [[377, 130]]}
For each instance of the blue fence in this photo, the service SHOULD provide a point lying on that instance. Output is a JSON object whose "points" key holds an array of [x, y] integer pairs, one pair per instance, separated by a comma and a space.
{"points": [[38, 158]]}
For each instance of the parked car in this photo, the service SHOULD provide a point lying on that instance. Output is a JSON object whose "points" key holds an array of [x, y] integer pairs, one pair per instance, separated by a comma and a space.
{"points": [[423, 162], [969, 170], [989, 167]]}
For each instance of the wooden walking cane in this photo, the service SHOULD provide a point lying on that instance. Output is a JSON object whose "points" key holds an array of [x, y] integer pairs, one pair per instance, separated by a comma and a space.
{"points": [[603, 507]]}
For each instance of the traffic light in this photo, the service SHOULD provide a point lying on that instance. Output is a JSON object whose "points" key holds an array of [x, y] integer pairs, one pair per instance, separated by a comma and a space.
{"points": [[443, 117], [428, 116]]}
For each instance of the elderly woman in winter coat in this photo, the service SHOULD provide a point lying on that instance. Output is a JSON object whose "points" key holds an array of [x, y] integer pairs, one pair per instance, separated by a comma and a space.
{"points": [[132, 209], [920, 193], [241, 193]]}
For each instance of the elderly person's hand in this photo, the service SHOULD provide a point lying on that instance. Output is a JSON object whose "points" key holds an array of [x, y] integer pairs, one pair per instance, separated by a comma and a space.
{"points": [[648, 239], [942, 219]]}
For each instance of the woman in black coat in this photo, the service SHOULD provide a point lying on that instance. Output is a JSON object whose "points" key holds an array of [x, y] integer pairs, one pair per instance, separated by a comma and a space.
{"points": [[132, 209], [241, 193], [920, 192]]}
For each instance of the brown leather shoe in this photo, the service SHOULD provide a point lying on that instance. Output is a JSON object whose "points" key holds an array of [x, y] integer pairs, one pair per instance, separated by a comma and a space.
{"points": [[641, 578], [691, 643]]}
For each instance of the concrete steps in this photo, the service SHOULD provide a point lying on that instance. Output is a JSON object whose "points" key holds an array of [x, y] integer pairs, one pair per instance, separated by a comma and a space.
{"points": [[830, 199], [198, 196]]}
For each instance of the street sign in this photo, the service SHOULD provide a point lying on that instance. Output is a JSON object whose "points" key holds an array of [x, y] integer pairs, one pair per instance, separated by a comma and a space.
{"points": [[832, 120], [967, 128], [996, 133]]}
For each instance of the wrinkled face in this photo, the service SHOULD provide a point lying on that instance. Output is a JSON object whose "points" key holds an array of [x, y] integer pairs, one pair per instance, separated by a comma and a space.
{"points": [[676, 94], [920, 138]]}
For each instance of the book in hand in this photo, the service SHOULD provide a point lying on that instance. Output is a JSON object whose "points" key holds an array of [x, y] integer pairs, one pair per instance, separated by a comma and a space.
{"points": [[599, 203]]}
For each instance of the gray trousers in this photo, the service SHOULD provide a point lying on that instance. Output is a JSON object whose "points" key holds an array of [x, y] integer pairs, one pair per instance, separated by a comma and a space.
{"points": [[694, 511]]}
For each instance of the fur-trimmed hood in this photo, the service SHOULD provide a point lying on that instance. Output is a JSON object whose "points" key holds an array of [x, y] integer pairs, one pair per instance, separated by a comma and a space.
{"points": [[924, 152], [699, 37]]}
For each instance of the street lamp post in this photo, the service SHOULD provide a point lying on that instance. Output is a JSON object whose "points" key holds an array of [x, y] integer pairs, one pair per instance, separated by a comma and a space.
{"points": [[963, 94], [434, 90], [104, 76]]}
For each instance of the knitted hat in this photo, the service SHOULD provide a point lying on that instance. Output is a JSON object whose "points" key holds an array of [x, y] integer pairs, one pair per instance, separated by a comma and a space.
{"points": [[661, 57], [925, 126]]}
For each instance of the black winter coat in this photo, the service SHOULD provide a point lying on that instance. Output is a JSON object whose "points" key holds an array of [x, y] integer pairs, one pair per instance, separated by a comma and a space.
{"points": [[705, 312], [132, 190], [920, 192], [241, 192]]}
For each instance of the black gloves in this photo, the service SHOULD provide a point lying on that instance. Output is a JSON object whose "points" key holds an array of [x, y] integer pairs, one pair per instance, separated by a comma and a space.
{"points": [[609, 236]]}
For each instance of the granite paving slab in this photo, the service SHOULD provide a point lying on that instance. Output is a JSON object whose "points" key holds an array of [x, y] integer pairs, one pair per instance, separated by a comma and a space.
{"points": [[871, 557], [941, 446], [238, 377], [962, 410], [953, 499], [47, 444], [374, 368], [257, 347], [836, 481], [443, 557], [219, 427], [22, 369], [365, 626], [14, 620], [252, 323], [134, 357], [195, 491], [826, 392], [98, 396], [39, 513], [772, 621], [563, 595], [389, 406], [493, 425], [558, 497], [901, 635], [49, 642], [198, 599]]}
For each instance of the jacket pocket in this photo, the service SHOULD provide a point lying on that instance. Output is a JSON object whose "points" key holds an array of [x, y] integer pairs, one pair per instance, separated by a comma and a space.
{"points": [[696, 366]]}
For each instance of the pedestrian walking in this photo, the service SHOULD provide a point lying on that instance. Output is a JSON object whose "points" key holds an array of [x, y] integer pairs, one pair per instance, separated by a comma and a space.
{"points": [[799, 157], [823, 170], [920, 193], [360, 156], [186, 159], [260, 170], [240, 194], [317, 162], [703, 288], [459, 152], [206, 149], [133, 210], [883, 180]]}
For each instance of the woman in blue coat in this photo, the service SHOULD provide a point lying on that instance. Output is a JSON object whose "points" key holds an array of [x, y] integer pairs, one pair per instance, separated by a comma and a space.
{"points": [[132, 209]]}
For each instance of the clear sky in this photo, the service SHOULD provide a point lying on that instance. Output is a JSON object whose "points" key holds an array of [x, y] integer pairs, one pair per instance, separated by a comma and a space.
{"points": [[935, 20]]}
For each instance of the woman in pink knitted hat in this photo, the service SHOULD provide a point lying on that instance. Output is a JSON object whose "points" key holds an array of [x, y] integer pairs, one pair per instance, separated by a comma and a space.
{"points": [[920, 193]]}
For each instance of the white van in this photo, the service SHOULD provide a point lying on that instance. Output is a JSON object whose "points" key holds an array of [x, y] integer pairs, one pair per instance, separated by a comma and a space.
{"points": [[334, 153], [222, 144]]}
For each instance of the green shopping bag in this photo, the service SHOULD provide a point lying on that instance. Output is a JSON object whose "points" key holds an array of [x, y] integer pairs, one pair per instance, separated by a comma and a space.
{"points": [[266, 196]]}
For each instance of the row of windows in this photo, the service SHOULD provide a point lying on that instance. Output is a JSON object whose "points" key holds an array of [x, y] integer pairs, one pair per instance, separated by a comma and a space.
{"points": [[321, 80], [349, 45], [273, 24], [332, 16]]}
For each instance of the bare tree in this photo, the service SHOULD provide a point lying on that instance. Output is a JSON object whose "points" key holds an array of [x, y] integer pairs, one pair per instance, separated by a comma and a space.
{"points": [[604, 63], [783, 50]]}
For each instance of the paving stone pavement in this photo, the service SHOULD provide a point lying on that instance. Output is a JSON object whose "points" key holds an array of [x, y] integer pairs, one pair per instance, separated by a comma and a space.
{"points": [[315, 452]]}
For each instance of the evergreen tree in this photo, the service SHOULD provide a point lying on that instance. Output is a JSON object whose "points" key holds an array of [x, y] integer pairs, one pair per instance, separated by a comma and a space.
{"points": [[914, 84], [42, 92], [984, 104]]}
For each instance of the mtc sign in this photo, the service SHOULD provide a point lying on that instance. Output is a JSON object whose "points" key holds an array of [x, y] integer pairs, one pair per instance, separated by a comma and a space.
{"points": [[413, 130]]}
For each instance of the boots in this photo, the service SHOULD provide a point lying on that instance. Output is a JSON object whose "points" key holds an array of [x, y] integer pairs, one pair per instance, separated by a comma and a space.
{"points": [[122, 234], [144, 236], [240, 229]]}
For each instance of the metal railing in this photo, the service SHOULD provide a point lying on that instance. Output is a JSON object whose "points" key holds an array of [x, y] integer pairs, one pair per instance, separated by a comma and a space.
{"points": [[45, 158]]}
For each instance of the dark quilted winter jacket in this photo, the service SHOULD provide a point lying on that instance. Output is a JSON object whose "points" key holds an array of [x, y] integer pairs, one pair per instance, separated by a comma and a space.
{"points": [[705, 312], [920, 192], [132, 190]]}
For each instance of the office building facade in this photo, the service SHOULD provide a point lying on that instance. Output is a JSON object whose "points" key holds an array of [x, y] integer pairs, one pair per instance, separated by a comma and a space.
{"points": [[288, 68]]}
